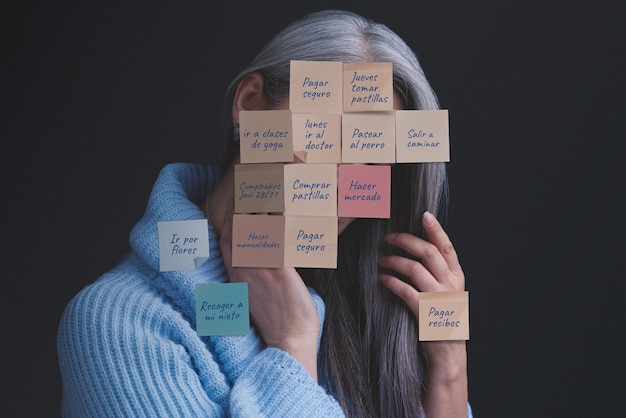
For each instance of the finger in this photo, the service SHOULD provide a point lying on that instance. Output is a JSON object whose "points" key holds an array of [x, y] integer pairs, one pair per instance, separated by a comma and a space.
{"points": [[428, 254], [404, 291], [440, 239], [419, 275]]}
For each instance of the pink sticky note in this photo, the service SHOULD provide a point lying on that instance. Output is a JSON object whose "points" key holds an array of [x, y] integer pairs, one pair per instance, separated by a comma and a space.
{"points": [[258, 240], [311, 241], [364, 191]]}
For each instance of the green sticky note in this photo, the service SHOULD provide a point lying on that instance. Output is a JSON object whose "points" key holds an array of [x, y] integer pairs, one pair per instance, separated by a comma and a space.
{"points": [[222, 309]]}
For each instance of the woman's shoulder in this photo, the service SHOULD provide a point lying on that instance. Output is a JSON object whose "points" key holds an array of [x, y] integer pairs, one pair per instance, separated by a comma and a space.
{"points": [[127, 281], [120, 300], [121, 338]]}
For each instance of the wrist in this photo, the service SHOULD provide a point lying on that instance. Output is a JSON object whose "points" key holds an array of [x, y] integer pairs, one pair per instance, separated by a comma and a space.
{"points": [[446, 379], [446, 362]]}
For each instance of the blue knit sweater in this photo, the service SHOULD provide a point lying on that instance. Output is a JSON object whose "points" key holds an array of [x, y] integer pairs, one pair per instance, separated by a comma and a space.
{"points": [[128, 347]]}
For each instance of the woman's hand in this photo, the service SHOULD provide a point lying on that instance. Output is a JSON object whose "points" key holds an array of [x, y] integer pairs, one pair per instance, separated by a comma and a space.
{"points": [[435, 268], [281, 306]]}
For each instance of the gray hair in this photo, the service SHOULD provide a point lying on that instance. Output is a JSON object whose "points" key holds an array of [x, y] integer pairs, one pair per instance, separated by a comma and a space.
{"points": [[339, 36], [334, 35], [369, 357]]}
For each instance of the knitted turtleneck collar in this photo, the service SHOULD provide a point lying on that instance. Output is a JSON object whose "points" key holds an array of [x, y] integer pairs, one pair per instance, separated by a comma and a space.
{"points": [[178, 195]]}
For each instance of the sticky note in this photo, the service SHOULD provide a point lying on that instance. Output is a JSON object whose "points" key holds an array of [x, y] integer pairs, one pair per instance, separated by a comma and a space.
{"points": [[311, 241], [422, 136], [364, 191], [315, 86], [368, 137], [222, 309], [443, 316], [311, 189], [367, 86], [258, 240], [259, 188], [317, 137], [183, 245], [265, 136]]}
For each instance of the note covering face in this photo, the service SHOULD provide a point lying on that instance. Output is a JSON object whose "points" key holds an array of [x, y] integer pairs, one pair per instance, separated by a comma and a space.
{"points": [[258, 240], [311, 241], [364, 191], [259, 188], [368, 87], [265, 136], [311, 189], [315, 86]]}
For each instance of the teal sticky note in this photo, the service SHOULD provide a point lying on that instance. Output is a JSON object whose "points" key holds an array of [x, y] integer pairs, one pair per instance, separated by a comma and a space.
{"points": [[222, 309]]}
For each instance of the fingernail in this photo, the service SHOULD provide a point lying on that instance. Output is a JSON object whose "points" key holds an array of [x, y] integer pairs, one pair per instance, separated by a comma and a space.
{"points": [[429, 218]]}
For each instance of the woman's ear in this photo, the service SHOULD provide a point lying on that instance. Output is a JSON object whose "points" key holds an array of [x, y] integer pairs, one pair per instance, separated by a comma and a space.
{"points": [[249, 94]]}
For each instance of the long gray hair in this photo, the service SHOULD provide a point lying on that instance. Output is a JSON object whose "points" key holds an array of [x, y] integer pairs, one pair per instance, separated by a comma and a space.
{"points": [[370, 358]]}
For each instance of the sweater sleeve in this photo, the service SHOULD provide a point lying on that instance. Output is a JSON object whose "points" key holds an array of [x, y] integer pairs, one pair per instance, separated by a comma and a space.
{"points": [[124, 352], [128, 346], [269, 381], [276, 385]]}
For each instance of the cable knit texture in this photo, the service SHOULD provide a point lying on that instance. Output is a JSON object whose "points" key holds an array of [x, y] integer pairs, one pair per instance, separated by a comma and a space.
{"points": [[127, 344]]}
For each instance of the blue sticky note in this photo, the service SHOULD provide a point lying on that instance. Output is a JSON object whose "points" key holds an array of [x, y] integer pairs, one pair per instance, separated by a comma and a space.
{"points": [[183, 245], [222, 309]]}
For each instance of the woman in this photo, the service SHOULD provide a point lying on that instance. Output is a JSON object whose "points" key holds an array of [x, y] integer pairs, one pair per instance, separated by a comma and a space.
{"points": [[127, 343]]}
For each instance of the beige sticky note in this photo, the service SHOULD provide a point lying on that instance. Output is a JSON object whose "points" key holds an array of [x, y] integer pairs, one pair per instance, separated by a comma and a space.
{"points": [[317, 137], [367, 86], [368, 137], [265, 136], [258, 240], [311, 189], [422, 136], [259, 188], [443, 316], [315, 86], [311, 241]]}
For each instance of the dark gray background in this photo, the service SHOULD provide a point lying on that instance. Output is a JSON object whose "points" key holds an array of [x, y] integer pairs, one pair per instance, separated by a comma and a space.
{"points": [[96, 99]]}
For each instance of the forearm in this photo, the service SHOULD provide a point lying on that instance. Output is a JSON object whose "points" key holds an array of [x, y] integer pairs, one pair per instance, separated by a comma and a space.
{"points": [[446, 381]]}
